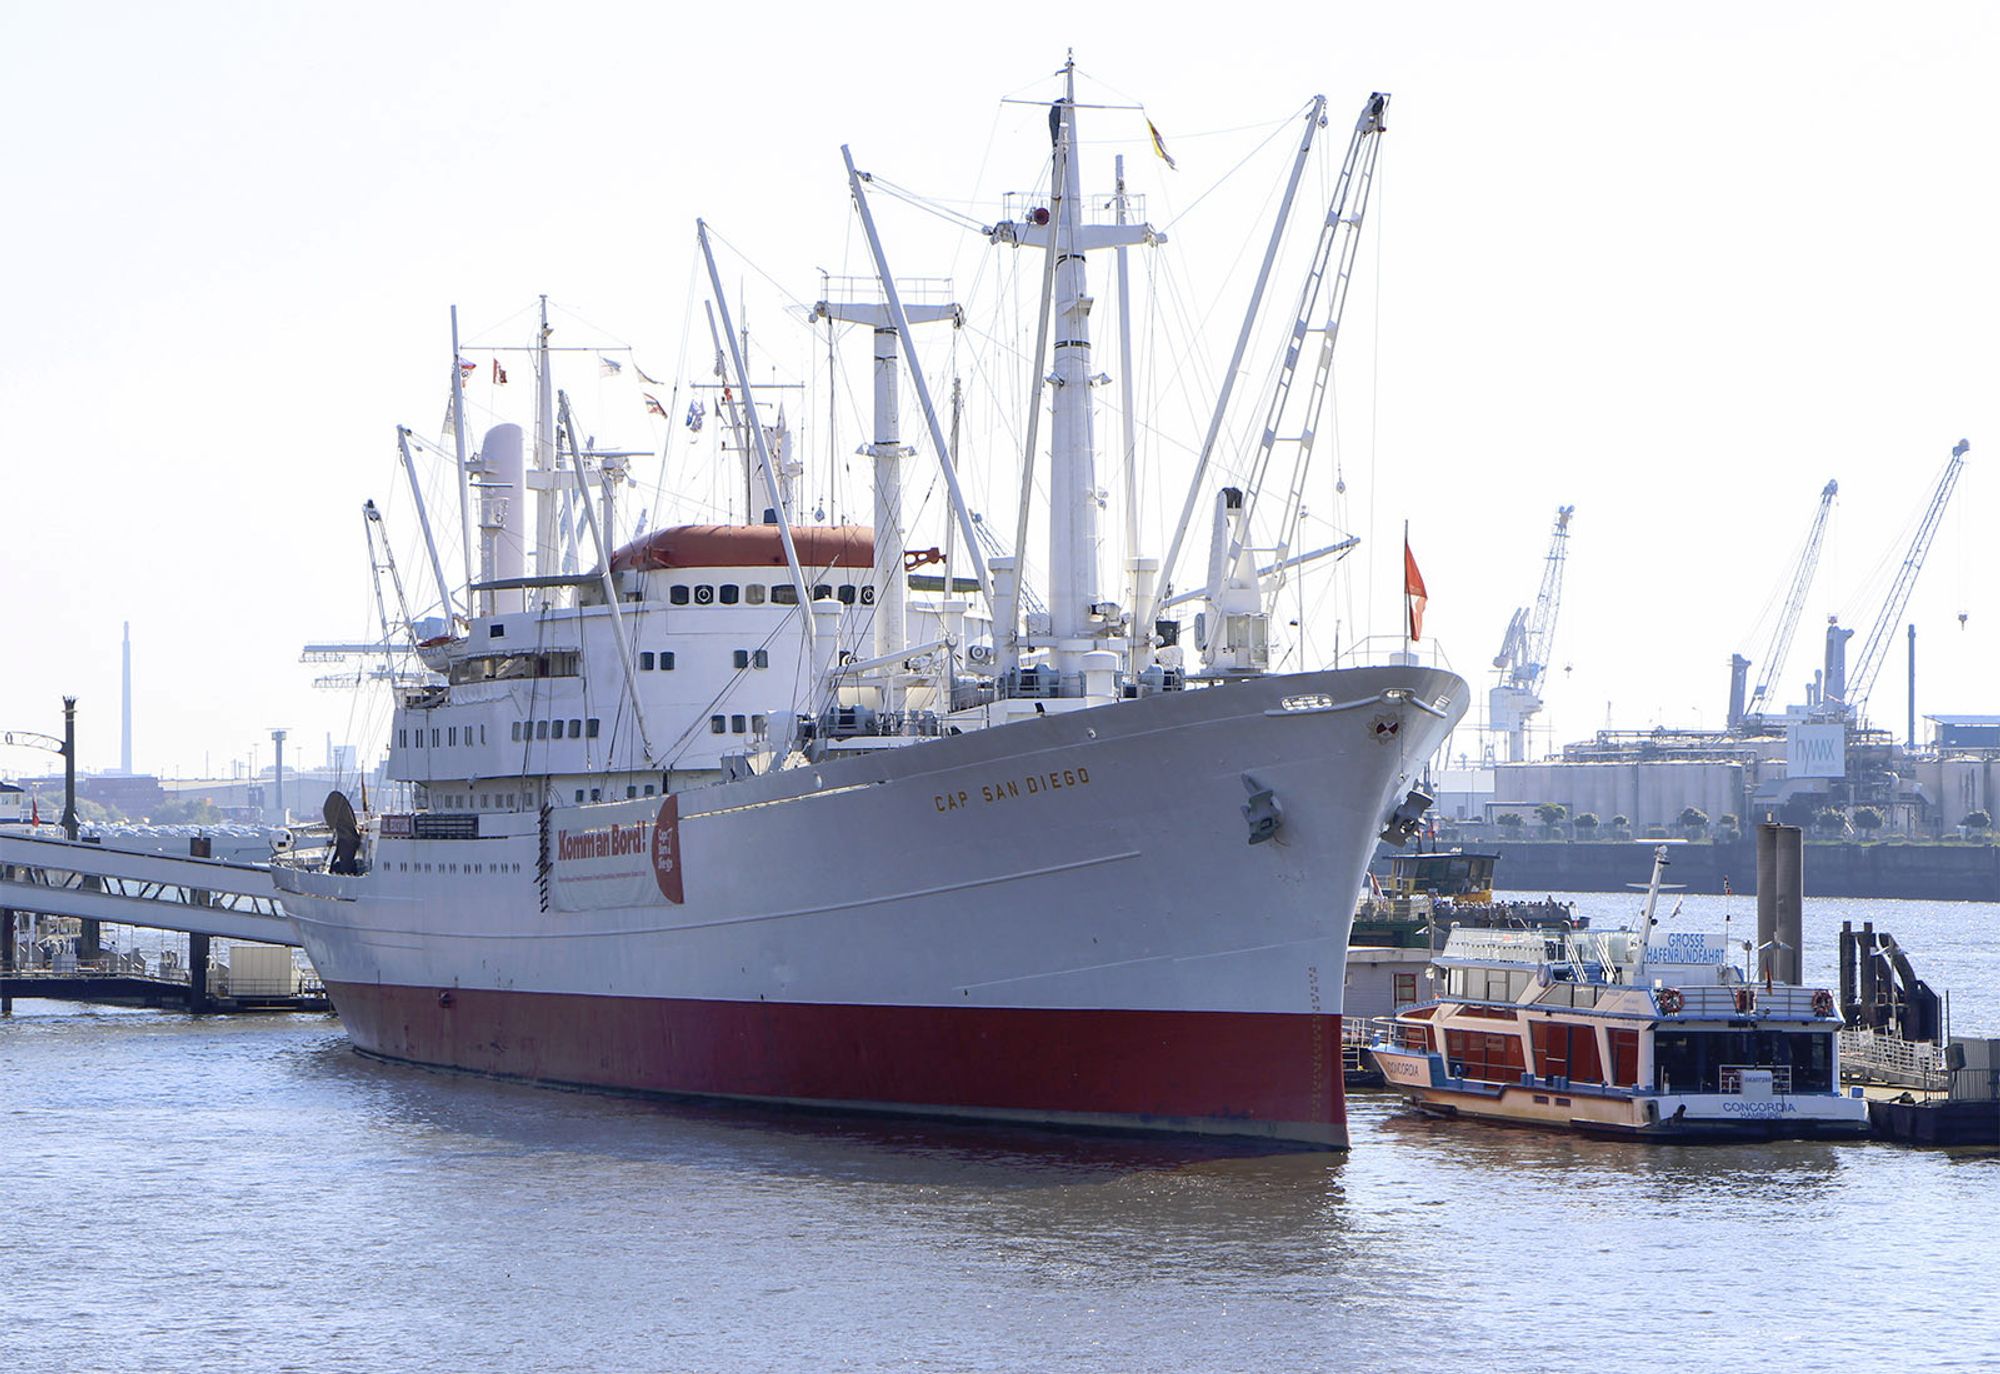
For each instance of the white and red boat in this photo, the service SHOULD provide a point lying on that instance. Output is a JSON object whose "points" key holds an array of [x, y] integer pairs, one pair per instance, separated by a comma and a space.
{"points": [[736, 816], [1620, 1032]]}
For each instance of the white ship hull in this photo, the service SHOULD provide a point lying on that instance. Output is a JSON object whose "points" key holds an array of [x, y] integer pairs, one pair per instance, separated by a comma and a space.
{"points": [[1057, 920]]}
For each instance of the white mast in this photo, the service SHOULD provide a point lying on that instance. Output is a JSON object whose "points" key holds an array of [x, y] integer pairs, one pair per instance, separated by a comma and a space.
{"points": [[1078, 619], [545, 458], [1140, 572], [763, 452], [464, 485], [424, 517], [893, 299], [888, 451]]}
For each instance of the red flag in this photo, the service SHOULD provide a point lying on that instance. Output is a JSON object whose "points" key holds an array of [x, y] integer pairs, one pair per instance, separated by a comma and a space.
{"points": [[653, 404], [1413, 592]]}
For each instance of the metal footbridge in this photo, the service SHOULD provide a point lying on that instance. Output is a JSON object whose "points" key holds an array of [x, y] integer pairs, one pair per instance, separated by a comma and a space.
{"points": [[55, 877]]}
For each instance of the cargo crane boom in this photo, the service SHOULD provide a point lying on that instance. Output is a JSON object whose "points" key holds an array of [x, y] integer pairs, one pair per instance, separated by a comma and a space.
{"points": [[1795, 603], [1527, 648], [1876, 650]]}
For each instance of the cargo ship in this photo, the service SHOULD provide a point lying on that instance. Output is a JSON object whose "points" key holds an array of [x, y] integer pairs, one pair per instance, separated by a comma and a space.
{"points": [[730, 815]]}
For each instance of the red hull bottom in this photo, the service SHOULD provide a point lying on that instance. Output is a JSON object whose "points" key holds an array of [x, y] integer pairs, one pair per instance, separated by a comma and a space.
{"points": [[1268, 1075]]}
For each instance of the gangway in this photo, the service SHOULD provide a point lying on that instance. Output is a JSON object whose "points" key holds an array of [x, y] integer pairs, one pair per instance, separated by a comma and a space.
{"points": [[59, 877]]}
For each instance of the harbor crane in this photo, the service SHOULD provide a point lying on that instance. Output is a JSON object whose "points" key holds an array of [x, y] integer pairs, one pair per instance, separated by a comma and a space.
{"points": [[1525, 651], [1788, 622], [1846, 694]]}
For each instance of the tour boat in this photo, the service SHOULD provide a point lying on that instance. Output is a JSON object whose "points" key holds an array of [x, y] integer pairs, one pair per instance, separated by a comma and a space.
{"points": [[1621, 1032]]}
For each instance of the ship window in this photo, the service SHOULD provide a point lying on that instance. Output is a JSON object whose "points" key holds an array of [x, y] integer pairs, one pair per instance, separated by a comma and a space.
{"points": [[758, 724], [729, 593], [597, 794], [403, 738], [496, 630], [576, 729], [753, 595], [451, 736], [631, 790], [678, 595], [704, 594], [717, 725], [737, 724], [590, 728], [762, 658], [541, 729], [847, 593], [785, 595], [482, 734], [579, 794], [649, 789], [666, 662], [555, 729], [434, 738], [646, 661], [743, 658], [822, 592]]}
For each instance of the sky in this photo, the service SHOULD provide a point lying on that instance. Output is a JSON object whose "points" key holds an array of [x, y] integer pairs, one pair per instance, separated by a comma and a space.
{"points": [[1675, 266]]}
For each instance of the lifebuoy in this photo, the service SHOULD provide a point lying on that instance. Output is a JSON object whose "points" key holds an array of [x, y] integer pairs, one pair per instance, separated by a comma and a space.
{"points": [[1670, 1001], [1822, 1003]]}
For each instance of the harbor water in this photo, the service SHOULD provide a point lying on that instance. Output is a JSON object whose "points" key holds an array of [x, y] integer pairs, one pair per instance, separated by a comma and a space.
{"points": [[248, 1192]]}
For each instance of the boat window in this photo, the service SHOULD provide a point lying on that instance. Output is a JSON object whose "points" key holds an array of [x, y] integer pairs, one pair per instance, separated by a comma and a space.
{"points": [[631, 790], [785, 594], [761, 659], [597, 794], [728, 592], [541, 729], [646, 661], [717, 725], [403, 738], [704, 594], [677, 594], [847, 593], [742, 658], [482, 734], [822, 592], [590, 728], [579, 794], [1713, 1061], [753, 595], [451, 736], [576, 729], [737, 725], [667, 662], [1624, 1058], [649, 789], [758, 724], [434, 739], [555, 729]]}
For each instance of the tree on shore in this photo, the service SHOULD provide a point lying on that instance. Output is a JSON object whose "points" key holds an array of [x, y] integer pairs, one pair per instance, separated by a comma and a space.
{"points": [[1551, 815], [1511, 822], [1585, 825], [1694, 821], [1868, 820], [1829, 822], [1976, 823], [1621, 827]]}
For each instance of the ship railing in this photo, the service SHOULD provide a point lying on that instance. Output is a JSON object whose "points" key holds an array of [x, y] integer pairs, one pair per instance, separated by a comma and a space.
{"points": [[1717, 1001], [1870, 1056], [1729, 1077]]}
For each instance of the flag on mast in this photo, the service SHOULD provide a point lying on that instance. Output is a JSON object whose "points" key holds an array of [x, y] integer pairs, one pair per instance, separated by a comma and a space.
{"points": [[1160, 147], [1414, 595], [653, 404], [609, 367], [649, 381], [499, 373]]}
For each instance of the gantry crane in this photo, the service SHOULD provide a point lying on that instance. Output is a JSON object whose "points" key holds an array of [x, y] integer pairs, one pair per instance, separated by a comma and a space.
{"points": [[1524, 652], [1788, 621], [1851, 694]]}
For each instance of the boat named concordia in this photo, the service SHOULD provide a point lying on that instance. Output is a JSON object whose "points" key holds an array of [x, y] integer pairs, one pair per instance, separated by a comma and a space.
{"points": [[734, 815], [1620, 1032]]}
